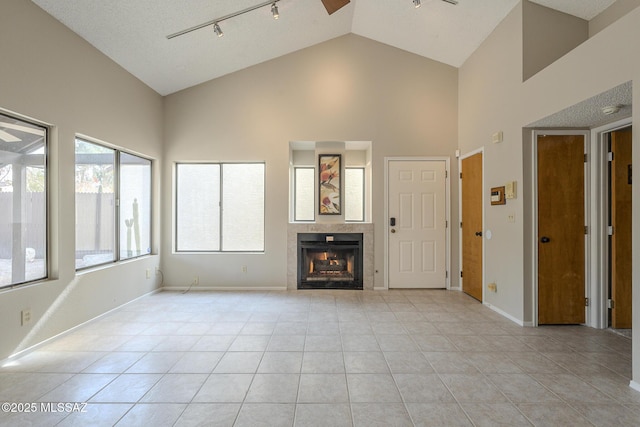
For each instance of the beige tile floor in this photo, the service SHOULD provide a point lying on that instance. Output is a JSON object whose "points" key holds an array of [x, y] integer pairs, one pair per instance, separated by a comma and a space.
{"points": [[324, 358]]}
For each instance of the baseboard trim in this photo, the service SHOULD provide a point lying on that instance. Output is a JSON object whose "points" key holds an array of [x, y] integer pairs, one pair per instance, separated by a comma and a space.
{"points": [[223, 288], [634, 385], [68, 331], [504, 314]]}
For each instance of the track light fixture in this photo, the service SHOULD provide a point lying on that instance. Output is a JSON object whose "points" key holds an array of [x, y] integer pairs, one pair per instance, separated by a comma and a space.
{"points": [[215, 22], [418, 3], [217, 29]]}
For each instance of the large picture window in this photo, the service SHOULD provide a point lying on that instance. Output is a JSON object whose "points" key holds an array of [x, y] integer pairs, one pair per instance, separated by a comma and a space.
{"points": [[113, 205], [23, 201], [220, 207]]}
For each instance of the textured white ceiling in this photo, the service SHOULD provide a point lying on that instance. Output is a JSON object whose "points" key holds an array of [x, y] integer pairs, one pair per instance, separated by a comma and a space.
{"points": [[588, 113], [437, 30], [133, 32]]}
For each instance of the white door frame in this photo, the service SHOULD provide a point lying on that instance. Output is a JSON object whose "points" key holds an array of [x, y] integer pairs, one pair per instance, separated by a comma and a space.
{"points": [[447, 161], [460, 159], [587, 217], [598, 269]]}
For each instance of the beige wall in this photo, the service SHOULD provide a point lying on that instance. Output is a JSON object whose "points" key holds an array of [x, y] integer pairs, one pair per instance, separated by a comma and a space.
{"points": [[489, 102], [547, 35], [599, 67], [349, 88], [617, 10], [346, 89], [591, 68], [51, 75]]}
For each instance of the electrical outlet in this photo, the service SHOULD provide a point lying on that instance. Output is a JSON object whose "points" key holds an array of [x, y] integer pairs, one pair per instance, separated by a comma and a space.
{"points": [[511, 217], [148, 273], [493, 287], [196, 280], [244, 268], [26, 316]]}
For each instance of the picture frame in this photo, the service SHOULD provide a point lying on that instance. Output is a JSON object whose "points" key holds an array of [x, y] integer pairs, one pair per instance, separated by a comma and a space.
{"points": [[330, 188]]}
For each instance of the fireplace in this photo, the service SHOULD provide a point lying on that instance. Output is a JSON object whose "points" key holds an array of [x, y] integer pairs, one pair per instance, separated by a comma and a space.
{"points": [[329, 261]]}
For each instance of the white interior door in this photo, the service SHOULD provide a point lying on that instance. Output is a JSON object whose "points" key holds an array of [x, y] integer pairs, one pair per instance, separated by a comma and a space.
{"points": [[417, 223]]}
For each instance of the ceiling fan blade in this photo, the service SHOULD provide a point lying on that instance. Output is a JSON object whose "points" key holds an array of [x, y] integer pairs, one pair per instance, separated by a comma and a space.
{"points": [[333, 5]]}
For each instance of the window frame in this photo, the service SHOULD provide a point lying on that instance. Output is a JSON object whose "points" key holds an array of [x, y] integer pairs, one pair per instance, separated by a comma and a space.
{"points": [[119, 181], [295, 194], [221, 249], [364, 193], [46, 202], [117, 198]]}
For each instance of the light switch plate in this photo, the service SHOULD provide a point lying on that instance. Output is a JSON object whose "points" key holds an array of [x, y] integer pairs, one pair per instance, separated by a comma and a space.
{"points": [[510, 190]]}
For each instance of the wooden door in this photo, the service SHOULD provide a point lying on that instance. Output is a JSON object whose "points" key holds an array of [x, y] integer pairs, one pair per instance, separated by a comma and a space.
{"points": [[561, 229], [472, 225], [417, 228], [621, 222]]}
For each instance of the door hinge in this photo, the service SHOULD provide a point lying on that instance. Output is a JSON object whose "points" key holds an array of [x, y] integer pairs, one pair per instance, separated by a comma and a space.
{"points": [[586, 157], [446, 224], [610, 230], [460, 273], [611, 304], [586, 230], [446, 274], [586, 302], [460, 175], [610, 156], [446, 174], [460, 224]]}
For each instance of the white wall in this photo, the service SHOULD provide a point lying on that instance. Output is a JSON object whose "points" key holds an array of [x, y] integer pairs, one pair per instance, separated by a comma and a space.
{"points": [[346, 89], [488, 103], [51, 75]]}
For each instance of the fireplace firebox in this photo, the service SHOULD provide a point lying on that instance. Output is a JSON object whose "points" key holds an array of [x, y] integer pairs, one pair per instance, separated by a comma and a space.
{"points": [[330, 261]]}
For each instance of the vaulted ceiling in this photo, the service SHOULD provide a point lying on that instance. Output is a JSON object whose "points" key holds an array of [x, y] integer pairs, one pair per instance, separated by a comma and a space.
{"points": [[134, 33]]}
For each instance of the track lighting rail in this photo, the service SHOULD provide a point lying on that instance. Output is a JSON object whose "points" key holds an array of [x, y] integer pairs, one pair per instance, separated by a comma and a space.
{"points": [[222, 18]]}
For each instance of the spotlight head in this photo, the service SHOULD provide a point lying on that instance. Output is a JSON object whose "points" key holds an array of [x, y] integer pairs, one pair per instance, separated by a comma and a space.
{"points": [[217, 30], [274, 11], [417, 3]]}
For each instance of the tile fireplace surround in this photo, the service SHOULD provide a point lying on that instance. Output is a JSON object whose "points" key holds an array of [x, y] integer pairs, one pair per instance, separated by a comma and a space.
{"points": [[292, 247]]}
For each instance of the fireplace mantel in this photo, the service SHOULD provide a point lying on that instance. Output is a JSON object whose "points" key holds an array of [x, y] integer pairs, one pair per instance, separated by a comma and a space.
{"points": [[292, 244]]}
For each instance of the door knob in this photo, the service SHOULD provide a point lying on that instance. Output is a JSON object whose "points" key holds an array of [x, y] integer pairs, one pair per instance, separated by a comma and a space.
{"points": [[545, 239], [393, 230], [479, 233]]}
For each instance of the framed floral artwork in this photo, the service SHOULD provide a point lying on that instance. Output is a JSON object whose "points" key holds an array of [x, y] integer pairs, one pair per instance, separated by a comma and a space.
{"points": [[329, 169]]}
